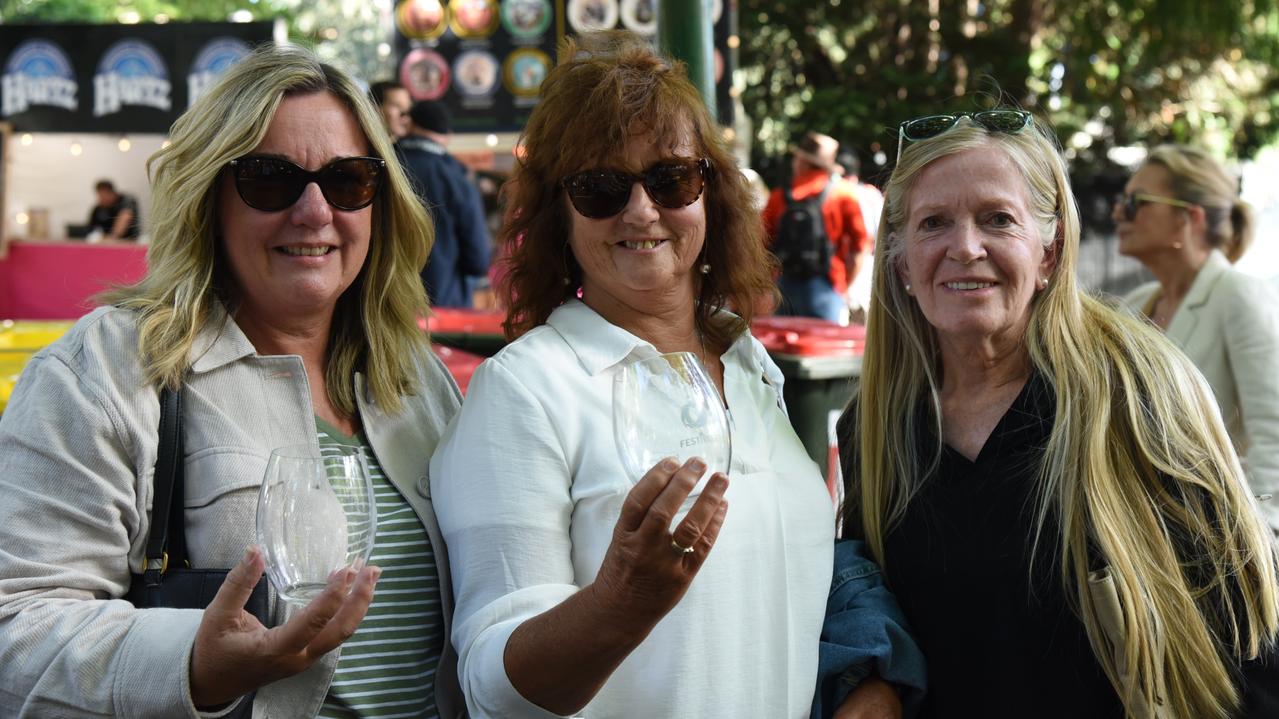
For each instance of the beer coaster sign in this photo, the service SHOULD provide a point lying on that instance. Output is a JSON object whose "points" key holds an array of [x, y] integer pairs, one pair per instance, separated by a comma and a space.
{"points": [[640, 16], [589, 15], [426, 74], [475, 74], [523, 73], [474, 19], [526, 19], [421, 19]]}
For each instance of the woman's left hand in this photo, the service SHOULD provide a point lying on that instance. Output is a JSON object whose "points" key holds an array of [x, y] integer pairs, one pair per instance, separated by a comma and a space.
{"points": [[873, 698]]}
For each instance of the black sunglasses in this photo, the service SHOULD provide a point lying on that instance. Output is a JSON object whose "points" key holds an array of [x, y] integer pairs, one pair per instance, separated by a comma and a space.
{"points": [[1129, 204], [922, 128], [271, 184], [672, 184]]}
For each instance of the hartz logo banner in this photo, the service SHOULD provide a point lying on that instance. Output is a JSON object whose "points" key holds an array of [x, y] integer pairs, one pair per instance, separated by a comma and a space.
{"points": [[213, 60], [37, 72], [131, 72], [112, 78]]}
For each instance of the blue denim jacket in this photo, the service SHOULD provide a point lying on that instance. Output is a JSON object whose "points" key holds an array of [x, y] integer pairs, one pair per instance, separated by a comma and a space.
{"points": [[864, 631]]}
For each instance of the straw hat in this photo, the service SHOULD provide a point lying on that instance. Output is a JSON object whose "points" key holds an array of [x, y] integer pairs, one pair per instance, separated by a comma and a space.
{"points": [[818, 150]]}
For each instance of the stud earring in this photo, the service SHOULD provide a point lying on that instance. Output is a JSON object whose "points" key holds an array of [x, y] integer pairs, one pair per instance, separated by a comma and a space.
{"points": [[907, 288], [705, 268]]}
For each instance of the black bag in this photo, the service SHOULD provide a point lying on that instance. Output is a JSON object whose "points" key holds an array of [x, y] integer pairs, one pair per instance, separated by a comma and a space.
{"points": [[802, 247], [178, 586]]}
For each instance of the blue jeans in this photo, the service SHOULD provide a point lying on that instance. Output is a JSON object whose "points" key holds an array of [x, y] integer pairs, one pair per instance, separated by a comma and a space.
{"points": [[812, 297]]}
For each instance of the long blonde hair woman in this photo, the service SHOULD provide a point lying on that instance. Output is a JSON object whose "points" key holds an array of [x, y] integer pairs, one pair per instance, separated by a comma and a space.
{"points": [[1131, 494]]}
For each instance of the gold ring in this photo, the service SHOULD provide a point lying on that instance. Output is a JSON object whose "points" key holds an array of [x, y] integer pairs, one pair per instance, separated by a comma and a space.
{"points": [[681, 549]]}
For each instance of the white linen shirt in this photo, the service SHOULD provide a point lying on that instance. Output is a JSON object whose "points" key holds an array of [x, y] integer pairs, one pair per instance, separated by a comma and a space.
{"points": [[528, 484]]}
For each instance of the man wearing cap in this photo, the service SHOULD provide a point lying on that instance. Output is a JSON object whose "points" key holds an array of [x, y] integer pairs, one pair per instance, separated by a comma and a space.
{"points": [[462, 245], [813, 168]]}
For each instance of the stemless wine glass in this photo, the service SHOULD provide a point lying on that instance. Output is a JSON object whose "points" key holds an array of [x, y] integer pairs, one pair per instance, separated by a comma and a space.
{"points": [[316, 516], [667, 406]]}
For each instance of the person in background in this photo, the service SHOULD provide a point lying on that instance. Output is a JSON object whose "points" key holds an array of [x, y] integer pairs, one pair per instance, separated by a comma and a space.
{"points": [[393, 101], [115, 215], [462, 245], [1181, 216], [871, 201], [584, 590], [282, 299], [1044, 479], [816, 269]]}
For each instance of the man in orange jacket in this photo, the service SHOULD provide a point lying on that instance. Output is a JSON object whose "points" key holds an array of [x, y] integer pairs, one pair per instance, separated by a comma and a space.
{"points": [[815, 286]]}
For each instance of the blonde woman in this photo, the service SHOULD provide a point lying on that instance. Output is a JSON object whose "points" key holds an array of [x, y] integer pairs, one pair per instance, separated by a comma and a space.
{"points": [[1045, 480], [282, 299], [1181, 216]]}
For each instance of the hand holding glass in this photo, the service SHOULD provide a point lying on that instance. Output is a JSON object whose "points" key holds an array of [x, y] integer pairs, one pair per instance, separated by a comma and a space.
{"points": [[667, 406], [316, 516]]}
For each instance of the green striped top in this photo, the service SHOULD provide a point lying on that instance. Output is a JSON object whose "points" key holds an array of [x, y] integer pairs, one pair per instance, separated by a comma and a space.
{"points": [[387, 668]]}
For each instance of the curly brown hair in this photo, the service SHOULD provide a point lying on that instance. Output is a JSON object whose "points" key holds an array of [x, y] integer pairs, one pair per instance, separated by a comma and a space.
{"points": [[608, 88]]}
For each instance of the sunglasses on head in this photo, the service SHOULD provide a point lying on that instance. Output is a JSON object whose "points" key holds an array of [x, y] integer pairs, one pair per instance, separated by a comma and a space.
{"points": [[599, 194], [922, 128], [271, 184], [1129, 204]]}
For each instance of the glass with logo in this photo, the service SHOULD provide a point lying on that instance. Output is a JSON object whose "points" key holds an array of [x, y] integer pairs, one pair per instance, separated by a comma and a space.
{"points": [[667, 406]]}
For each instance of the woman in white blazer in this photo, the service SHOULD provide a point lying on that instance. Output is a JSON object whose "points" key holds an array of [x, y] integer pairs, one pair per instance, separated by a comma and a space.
{"points": [[1181, 216]]}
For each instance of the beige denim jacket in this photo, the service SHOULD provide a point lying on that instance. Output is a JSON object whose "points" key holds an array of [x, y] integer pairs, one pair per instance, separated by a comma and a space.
{"points": [[77, 451]]}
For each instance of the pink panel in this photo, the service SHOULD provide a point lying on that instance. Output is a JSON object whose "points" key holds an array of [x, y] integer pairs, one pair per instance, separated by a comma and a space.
{"points": [[56, 280]]}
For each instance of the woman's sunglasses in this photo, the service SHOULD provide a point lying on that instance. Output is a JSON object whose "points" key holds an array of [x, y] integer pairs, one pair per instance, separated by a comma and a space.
{"points": [[599, 194], [271, 184], [922, 128], [1129, 204]]}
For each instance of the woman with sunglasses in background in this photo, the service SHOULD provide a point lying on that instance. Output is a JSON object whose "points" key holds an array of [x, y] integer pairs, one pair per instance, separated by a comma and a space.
{"points": [[1181, 216], [282, 299], [1045, 480], [575, 595]]}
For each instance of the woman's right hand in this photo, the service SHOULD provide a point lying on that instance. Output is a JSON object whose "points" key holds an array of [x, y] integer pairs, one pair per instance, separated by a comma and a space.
{"points": [[646, 571], [234, 654]]}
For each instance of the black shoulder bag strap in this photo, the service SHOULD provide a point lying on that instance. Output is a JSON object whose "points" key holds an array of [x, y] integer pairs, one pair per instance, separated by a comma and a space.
{"points": [[166, 505]]}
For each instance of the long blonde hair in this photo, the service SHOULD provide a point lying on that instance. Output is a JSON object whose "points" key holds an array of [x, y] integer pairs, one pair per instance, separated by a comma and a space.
{"points": [[1199, 179], [1138, 468], [375, 325]]}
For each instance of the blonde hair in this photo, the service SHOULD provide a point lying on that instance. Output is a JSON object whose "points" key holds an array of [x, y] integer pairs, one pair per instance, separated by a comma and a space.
{"points": [[375, 326], [1138, 467], [1199, 179]]}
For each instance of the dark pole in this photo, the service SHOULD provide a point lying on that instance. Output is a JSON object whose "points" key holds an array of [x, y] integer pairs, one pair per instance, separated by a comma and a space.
{"points": [[684, 33]]}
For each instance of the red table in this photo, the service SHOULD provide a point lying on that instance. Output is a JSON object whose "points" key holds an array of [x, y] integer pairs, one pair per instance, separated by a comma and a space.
{"points": [[56, 280]]}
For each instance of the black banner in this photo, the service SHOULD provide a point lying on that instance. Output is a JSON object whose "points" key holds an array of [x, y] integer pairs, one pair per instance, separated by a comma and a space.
{"points": [[485, 59], [114, 78]]}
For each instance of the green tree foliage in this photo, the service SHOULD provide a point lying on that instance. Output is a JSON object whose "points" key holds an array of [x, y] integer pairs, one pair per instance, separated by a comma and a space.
{"points": [[1104, 73]]}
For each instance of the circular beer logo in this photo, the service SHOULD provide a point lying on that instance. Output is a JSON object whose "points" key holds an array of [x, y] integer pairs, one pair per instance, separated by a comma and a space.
{"points": [[526, 18], [588, 15], [524, 71], [425, 73], [473, 19], [421, 19]]}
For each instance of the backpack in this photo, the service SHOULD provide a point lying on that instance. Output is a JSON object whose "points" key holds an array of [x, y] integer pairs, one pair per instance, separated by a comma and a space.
{"points": [[802, 246]]}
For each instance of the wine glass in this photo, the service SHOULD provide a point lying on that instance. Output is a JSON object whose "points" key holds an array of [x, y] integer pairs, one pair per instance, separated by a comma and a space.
{"points": [[667, 406], [316, 516]]}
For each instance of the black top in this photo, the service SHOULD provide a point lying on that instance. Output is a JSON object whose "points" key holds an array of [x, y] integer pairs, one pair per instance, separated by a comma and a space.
{"points": [[996, 629], [999, 638], [103, 218]]}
